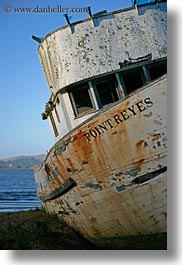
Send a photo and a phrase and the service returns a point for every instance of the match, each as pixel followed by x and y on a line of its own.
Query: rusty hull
pixel 107 177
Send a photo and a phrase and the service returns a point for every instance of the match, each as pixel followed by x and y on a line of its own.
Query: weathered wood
pixel 106 157
pixel 116 157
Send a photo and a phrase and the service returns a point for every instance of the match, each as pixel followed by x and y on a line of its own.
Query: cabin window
pixel 132 79
pixel 53 124
pixel 106 90
pixel 57 115
pixel 81 99
pixel 157 69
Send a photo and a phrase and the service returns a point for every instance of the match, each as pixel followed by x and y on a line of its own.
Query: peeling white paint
pixel 93 50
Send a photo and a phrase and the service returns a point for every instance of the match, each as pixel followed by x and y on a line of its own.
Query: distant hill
pixel 22 162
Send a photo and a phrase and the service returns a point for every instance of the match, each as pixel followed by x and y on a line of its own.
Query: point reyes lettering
pixel 119 118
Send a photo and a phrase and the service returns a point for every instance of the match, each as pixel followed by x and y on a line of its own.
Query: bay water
pixel 17 190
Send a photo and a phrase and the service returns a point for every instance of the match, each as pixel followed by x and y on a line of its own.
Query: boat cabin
pixel 94 63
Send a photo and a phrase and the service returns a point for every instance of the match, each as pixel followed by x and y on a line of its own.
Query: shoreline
pixel 16 168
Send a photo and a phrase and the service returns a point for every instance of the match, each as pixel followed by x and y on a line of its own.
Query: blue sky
pixel 23 88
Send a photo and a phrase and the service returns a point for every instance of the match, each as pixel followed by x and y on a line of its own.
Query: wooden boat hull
pixel 107 177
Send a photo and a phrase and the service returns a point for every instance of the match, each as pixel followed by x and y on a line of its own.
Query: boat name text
pixel 124 115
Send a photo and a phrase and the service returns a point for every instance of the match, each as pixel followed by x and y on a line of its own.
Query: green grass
pixel 38 230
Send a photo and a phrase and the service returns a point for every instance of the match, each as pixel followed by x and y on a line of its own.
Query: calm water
pixel 17 191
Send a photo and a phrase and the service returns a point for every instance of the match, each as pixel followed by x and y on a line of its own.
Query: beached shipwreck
pixel 106 173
